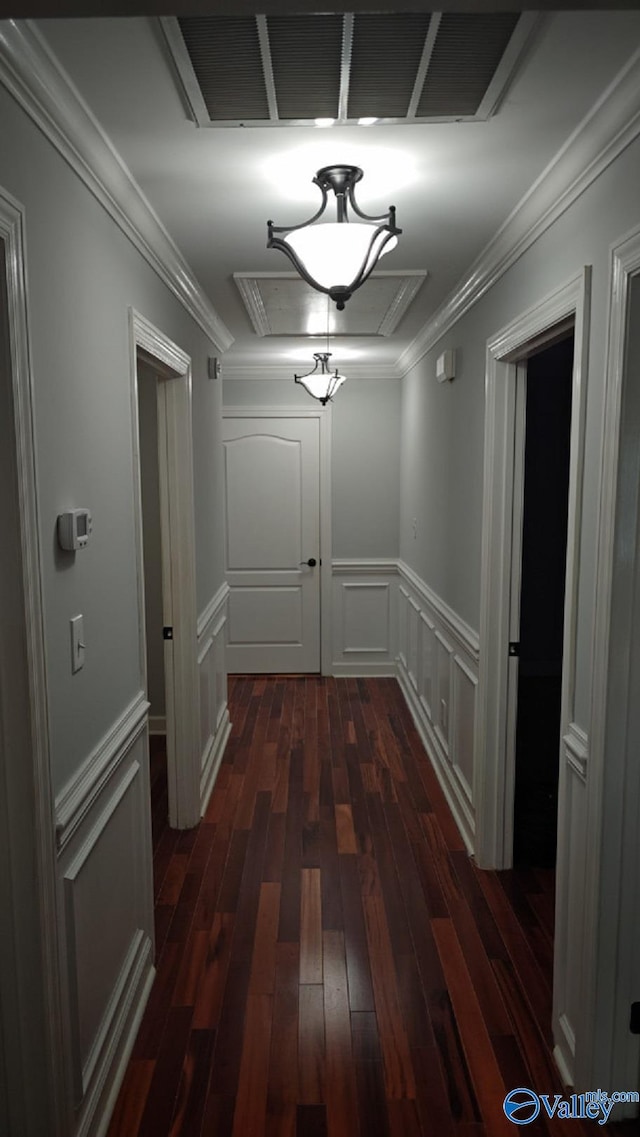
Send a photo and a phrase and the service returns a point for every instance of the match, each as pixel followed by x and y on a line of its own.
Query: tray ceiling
pixel 281 304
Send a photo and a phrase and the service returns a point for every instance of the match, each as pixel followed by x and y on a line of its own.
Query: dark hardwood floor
pixel 329 960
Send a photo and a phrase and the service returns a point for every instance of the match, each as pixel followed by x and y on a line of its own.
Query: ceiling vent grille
pixel 466 53
pixel 385 57
pixel 225 54
pixel 394 67
pixel 305 58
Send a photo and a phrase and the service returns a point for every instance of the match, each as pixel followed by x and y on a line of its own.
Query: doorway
pixel 163 467
pixel 537 634
pixel 157 598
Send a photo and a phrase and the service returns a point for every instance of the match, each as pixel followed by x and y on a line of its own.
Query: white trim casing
pixel 173 368
pixel 495 597
pixel 494 741
pixel 39 793
pixel 611 949
pixel 29 69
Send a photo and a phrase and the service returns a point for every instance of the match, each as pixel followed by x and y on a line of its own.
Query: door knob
pixel 312 562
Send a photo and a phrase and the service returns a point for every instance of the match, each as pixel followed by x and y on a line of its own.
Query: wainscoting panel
pixel 463 710
pixel 437 667
pixel 212 675
pixel 570 884
pixel 426 635
pixel 364 617
pixel 444 659
pixel 107 917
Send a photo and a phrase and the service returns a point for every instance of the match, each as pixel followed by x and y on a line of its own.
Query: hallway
pixel 329 960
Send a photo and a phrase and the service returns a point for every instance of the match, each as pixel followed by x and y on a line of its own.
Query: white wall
pixel 365 456
pixel 441 485
pixel 83 277
pixel 443 425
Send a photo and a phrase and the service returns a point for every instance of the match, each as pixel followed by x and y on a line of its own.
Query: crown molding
pixel 32 74
pixel 257 372
pixel 611 125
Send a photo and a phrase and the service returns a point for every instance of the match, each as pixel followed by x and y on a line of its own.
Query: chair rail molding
pixel 33 75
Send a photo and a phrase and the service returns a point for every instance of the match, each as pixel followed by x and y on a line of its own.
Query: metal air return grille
pixel 466 53
pixel 305 59
pixel 225 53
pixel 394 67
pixel 385 57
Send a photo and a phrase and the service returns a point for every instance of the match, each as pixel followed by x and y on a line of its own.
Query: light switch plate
pixel 77 644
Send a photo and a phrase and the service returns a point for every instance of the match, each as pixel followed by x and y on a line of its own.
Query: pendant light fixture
pixel 336 257
pixel 323 384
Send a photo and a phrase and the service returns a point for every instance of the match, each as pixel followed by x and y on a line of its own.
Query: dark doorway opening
pixel 544 549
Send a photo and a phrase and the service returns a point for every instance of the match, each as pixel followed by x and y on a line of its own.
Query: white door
pixel 272 533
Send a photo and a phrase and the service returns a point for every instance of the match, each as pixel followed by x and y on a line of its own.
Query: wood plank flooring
pixel 330 963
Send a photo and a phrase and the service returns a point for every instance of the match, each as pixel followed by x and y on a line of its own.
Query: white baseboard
pixel 213 758
pixel 444 773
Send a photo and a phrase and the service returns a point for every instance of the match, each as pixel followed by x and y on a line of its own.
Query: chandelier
pixel 323 384
pixel 336 257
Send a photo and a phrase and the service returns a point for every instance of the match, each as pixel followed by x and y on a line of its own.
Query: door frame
pixel 612 923
pixel 495 738
pixel 323 414
pixel 28 792
pixel 175 458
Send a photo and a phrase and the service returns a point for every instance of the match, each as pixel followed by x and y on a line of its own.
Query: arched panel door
pixel 272 543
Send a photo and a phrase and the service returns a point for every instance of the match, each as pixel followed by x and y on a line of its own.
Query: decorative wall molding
pixel 105 873
pixel 215 725
pixel 213 609
pixel 463 633
pixel 83 789
pixel 30 71
pixel 372 566
pixel 576 745
pixel 608 127
pixel 437 671
pixel 236 369
pixel 364 605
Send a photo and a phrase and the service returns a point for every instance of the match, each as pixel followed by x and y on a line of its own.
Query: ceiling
pixel 453 182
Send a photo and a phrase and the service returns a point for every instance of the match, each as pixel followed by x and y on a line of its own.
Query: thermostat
pixel 74 528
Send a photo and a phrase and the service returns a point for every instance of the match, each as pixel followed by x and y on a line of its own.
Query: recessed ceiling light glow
pixel 366 121
pixel 324 121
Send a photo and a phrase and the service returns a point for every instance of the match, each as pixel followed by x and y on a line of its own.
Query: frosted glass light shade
pixel 334 254
pixel 323 387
